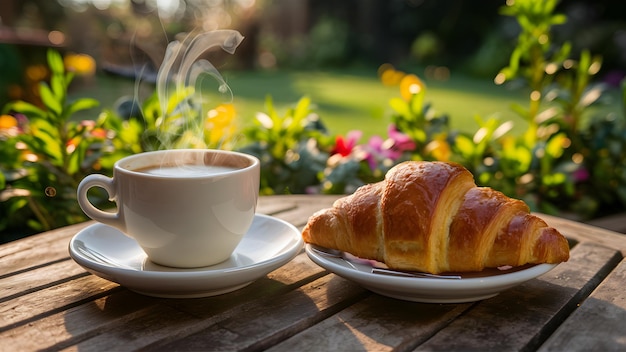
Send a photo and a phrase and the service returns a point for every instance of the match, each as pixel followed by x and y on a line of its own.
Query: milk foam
pixel 186 170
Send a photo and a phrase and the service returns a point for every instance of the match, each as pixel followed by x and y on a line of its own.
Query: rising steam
pixel 179 74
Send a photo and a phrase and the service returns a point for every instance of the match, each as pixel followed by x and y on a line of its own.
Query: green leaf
pixel 18 204
pixel 520 110
pixel 554 179
pixel 554 147
pixel 28 109
pixel 49 99
pixel 81 104
pixel 36 225
pixel 417 102
pixel 302 109
pixel 558 19
pixel 76 159
pixel 69 77
pixel 418 135
pixel 584 62
pixel 563 52
pixel 55 61
pixel 400 106
pixel 40 126
pixel 465 145
pixel 58 86
pixel 48 140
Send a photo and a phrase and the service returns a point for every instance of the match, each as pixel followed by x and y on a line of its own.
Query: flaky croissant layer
pixel 431 217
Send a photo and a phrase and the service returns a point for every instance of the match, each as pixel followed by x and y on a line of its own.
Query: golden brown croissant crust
pixel 431 217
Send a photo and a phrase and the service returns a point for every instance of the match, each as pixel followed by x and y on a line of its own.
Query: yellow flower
pixel 439 148
pixel 7 122
pixel 411 85
pixel 36 73
pixel 389 76
pixel 219 125
pixel 81 64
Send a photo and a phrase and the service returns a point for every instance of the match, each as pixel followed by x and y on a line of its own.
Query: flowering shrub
pixel 558 164
pixel 555 165
pixel 552 165
pixel 290 148
pixel 44 154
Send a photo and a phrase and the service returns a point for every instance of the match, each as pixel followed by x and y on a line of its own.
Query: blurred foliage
pixel 559 164
pixel 570 158
pixel 327 45
pixel 44 154
pixel 288 147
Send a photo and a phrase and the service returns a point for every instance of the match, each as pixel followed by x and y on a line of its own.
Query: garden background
pixel 526 94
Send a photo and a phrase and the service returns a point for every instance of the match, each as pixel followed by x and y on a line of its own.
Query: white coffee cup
pixel 185 207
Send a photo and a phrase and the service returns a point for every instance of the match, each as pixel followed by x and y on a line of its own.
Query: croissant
pixel 431 217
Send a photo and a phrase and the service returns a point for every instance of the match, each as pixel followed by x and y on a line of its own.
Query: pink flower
pixel 402 142
pixel 581 174
pixel 373 151
pixel 392 148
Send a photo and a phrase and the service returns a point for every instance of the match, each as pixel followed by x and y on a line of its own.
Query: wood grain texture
pixel 33 306
pixel 43 248
pixel 615 222
pixel 40 278
pixel 48 302
pixel 522 317
pixel 599 324
pixel 375 324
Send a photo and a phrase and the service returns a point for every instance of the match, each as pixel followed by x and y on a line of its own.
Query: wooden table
pixel 49 302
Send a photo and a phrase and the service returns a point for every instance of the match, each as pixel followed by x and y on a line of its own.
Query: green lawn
pixel 358 100
pixel 345 100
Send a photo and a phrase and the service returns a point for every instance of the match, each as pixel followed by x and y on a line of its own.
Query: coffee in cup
pixel 185 207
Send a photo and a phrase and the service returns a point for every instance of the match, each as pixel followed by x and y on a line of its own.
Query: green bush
pixel 560 164
pixel 570 158
pixel 44 154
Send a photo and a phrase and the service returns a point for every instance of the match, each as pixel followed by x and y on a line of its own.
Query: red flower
pixel 344 146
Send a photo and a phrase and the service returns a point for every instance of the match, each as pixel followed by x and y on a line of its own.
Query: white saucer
pixel 469 288
pixel 108 253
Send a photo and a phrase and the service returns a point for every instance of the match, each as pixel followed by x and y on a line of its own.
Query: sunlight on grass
pixel 346 100
pixel 358 100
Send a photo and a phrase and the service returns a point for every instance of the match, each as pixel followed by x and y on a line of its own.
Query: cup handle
pixel 95 180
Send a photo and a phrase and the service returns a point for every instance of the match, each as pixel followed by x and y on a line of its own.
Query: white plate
pixel 471 287
pixel 108 253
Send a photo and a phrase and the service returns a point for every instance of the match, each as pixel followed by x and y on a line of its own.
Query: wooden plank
pixel 67 327
pixel 271 206
pixel 52 303
pixel 61 328
pixel 300 215
pixel 25 282
pixel 523 317
pixel 37 250
pixel 33 306
pixel 279 204
pixel 616 222
pixel 259 325
pixel 375 324
pixel 299 271
pixel 155 323
pixel 164 323
pixel 599 323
